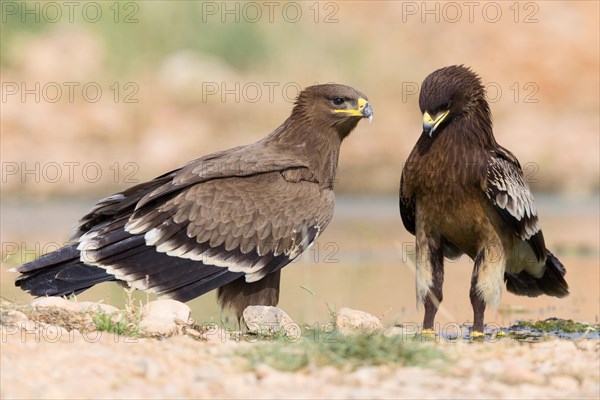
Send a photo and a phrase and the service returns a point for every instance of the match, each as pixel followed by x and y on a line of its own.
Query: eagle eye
pixel 338 101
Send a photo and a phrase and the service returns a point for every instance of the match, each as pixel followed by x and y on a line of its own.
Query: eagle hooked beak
pixel 430 124
pixel 363 109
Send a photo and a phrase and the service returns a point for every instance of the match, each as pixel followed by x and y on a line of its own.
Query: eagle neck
pixel 471 134
pixel 476 125
pixel 318 147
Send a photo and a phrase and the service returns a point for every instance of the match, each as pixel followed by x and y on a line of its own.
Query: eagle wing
pixel 249 225
pixel 407 208
pixel 189 231
pixel 505 186
pixel 239 161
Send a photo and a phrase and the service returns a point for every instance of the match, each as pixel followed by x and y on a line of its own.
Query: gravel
pixel 44 361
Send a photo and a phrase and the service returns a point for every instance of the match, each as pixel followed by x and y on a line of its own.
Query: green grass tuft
pixel 558 325
pixel 345 351
pixel 105 323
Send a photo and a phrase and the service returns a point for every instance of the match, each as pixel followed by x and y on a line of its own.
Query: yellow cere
pixel 428 121
pixel 361 103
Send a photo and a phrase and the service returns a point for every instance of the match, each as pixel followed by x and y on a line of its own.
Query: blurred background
pixel 97 96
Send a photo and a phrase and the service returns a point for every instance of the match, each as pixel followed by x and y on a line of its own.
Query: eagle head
pixel 450 93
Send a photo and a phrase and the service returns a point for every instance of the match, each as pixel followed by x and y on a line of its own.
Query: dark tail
pixel 552 283
pixel 59 273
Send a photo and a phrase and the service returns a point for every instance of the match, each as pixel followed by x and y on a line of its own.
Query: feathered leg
pixel 435 295
pixel 240 294
pixel 486 282
pixel 476 299
pixel 430 276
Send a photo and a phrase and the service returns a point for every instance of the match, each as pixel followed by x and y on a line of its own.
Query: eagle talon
pixel 477 334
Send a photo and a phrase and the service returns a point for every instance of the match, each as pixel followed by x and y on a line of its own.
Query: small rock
pixel 263 370
pixel 366 376
pixel 30 327
pixel 13 316
pixel 168 309
pixel 154 325
pixel 213 333
pixel 149 369
pixel 53 333
pixel 355 322
pixel 464 367
pixel 193 333
pixel 58 302
pixel 514 373
pixel 207 373
pixel 24 330
pixel 565 382
pixel 328 373
pixel 90 306
pixel 266 319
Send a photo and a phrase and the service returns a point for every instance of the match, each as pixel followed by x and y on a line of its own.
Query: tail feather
pixel 62 272
pixel 62 279
pixel 62 255
pixel 552 283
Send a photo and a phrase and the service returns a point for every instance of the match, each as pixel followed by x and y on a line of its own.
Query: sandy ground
pixel 58 364
pixel 54 363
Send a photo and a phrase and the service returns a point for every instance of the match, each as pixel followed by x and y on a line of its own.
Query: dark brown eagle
pixel 461 192
pixel 230 220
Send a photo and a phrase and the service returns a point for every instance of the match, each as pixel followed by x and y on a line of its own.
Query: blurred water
pixel 358 262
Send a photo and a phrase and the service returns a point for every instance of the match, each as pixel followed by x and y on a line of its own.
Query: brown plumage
pixel 461 192
pixel 230 220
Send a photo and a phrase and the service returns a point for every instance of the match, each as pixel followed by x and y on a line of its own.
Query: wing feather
pixel 221 223
pixel 228 210
pixel 506 188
